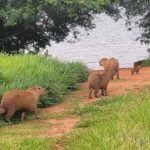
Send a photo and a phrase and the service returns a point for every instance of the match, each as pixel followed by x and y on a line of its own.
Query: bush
pixel 24 71
pixel 146 62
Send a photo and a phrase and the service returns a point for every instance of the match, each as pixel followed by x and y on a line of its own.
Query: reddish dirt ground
pixel 61 126
pixel 127 83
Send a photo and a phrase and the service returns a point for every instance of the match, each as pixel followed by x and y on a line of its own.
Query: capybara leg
pixel 118 74
pixel 35 112
pixel 102 92
pixel 132 72
pixel 90 93
pixel 22 116
pixel 95 92
pixel 8 120
pixel 106 92
pixel 10 113
pixel 36 116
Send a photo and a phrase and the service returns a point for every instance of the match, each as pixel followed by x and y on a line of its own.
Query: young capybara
pixel 135 70
pixel 19 100
pixel 110 64
pixel 99 81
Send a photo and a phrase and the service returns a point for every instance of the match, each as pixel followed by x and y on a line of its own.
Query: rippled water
pixel 108 39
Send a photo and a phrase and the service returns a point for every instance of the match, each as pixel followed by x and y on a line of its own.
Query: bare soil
pixel 127 83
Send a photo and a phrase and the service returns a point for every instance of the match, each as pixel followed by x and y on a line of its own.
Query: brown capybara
pixel 135 70
pixel 19 100
pixel 110 64
pixel 137 63
pixel 99 81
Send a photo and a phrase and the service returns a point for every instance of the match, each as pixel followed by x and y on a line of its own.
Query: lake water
pixel 108 39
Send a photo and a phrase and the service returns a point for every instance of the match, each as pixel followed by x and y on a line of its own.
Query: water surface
pixel 108 39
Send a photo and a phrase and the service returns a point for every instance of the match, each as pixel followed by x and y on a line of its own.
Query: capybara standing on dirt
pixel 110 64
pixel 99 81
pixel 135 70
pixel 19 100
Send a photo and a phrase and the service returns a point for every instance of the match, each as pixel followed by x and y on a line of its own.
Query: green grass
pixel 146 62
pixel 118 123
pixel 27 135
pixel 28 143
pixel 24 71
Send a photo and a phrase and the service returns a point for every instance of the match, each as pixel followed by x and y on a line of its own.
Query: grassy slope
pixel 122 122
pixel 119 123
pixel 23 71
pixel 31 133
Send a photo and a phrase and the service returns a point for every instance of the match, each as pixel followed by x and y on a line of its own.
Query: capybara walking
pixel 110 64
pixel 135 70
pixel 19 100
pixel 99 81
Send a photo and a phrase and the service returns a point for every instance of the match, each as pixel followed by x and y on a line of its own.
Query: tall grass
pixel 24 71
pixel 119 123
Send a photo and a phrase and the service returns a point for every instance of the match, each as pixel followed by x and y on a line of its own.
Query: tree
pixel 36 22
pixel 141 10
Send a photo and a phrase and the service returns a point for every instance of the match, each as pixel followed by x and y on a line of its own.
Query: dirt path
pixel 127 83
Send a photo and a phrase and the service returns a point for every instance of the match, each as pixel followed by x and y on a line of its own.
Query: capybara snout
pixel 2 110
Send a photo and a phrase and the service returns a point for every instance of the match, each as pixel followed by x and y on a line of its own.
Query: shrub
pixel 24 71
pixel 146 62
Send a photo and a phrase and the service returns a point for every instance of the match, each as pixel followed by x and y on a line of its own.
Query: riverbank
pixel 99 122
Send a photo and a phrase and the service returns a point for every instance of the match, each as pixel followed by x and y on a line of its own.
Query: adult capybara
pixel 99 81
pixel 137 63
pixel 110 64
pixel 19 100
pixel 135 70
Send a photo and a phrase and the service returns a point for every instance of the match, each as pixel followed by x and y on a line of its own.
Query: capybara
pixel 20 100
pixel 137 63
pixel 110 64
pixel 99 81
pixel 135 70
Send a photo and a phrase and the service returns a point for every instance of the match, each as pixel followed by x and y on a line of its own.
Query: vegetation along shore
pixel 120 120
